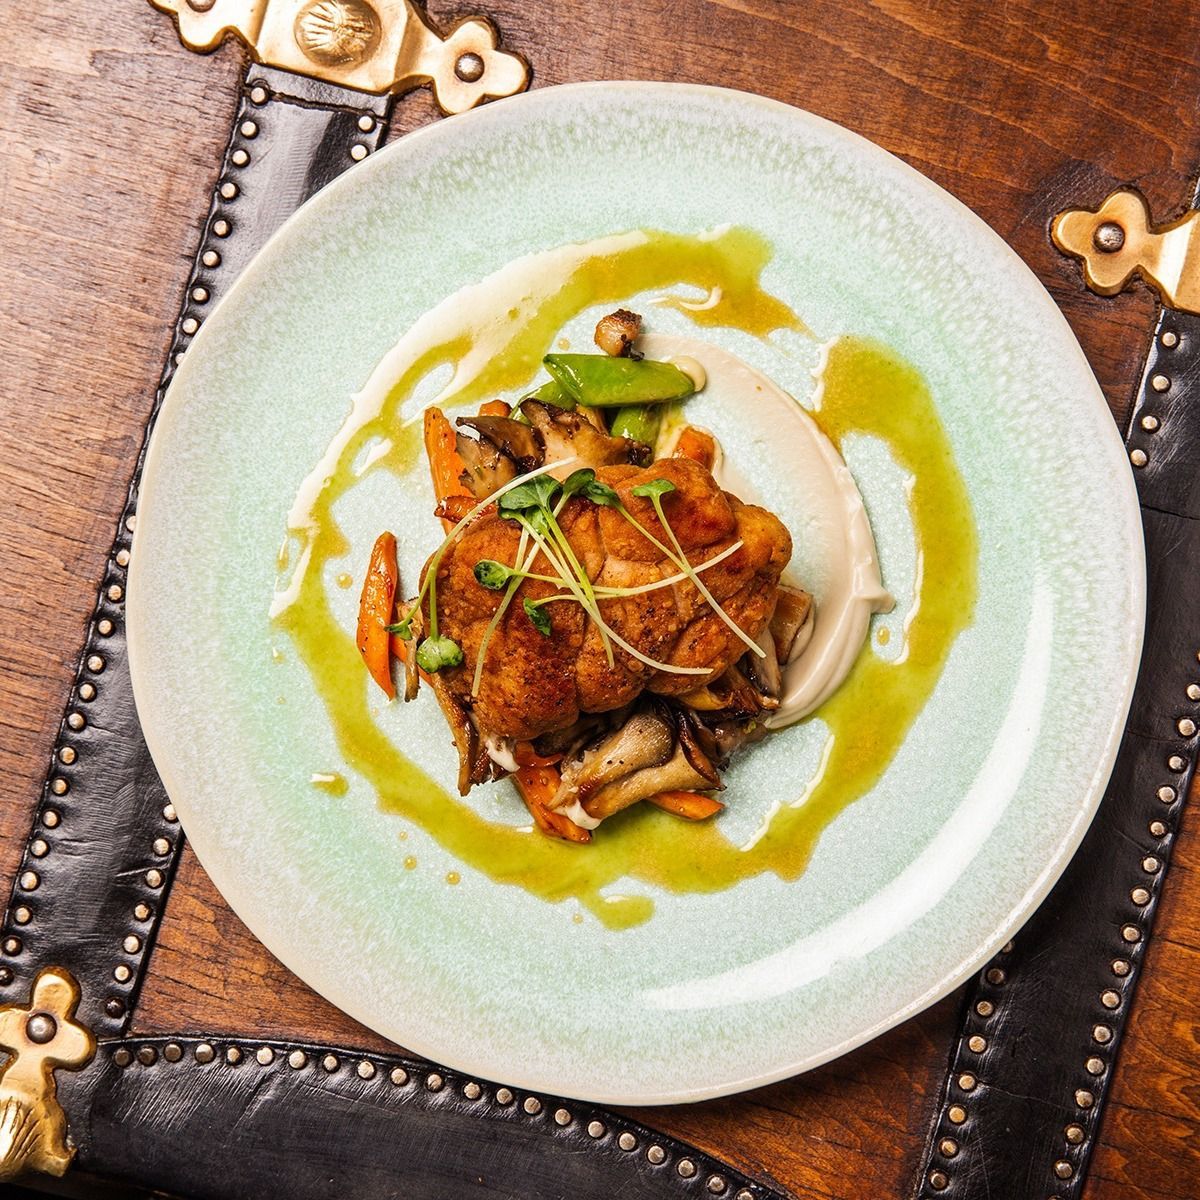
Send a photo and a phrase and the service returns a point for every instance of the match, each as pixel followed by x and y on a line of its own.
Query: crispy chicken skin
pixel 533 684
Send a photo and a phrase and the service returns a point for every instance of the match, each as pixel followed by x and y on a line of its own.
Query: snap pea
pixel 638 421
pixel 552 393
pixel 601 381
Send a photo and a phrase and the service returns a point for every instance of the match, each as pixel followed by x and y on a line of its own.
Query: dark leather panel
pixel 1021 1107
pixel 291 1129
pixel 101 844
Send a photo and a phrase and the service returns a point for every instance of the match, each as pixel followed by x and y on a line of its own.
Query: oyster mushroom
pixel 567 433
pixel 616 333
pixel 501 450
pixel 647 739
pixel 791 624
pixel 678 774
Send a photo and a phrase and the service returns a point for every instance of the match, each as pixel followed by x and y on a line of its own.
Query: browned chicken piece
pixel 534 684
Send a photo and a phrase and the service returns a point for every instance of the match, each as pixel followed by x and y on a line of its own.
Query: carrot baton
pixel 445 464
pixel 694 806
pixel 537 786
pixel 375 611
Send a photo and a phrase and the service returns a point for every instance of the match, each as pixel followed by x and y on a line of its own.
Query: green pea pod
pixel 551 393
pixel 601 381
pixel 638 421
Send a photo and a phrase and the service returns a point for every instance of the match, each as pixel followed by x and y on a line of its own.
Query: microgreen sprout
pixel 537 618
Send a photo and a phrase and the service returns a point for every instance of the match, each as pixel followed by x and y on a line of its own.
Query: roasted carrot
pixel 692 805
pixel 697 445
pixel 375 611
pixel 445 465
pixel 537 786
pixel 494 408
pixel 527 756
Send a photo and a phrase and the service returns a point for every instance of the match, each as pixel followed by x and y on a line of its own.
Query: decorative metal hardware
pixel 40 1037
pixel 1117 242
pixel 381 46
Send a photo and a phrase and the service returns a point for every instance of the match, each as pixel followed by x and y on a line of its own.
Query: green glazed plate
pixel 910 888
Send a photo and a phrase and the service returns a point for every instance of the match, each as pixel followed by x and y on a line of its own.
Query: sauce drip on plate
pixel 493 335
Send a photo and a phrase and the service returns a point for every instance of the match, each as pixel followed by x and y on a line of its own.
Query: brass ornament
pixel 371 45
pixel 1117 242
pixel 40 1037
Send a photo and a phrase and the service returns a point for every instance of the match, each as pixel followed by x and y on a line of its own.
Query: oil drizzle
pixel 864 389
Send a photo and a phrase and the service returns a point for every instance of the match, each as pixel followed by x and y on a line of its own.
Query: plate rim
pixel 156 730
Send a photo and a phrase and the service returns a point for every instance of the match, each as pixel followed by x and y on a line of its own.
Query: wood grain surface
pixel 110 135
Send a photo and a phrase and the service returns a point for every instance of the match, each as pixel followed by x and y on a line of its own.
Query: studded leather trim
pixel 1042 1024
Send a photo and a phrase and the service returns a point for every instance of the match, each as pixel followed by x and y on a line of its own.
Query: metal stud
pixel 1063 1169
pixel 1120 966
pixel 996 976
pixel 1008 946
pixel 104 628
pixel 154 878
pixel 76 721
pixel 472 1090
pixel 1158 829
pixel 221 228
pixel 1166 794
pixel 132 944
pixel 967 1082
pixel 1101 1034
pixel 190 325
pixel 365 1069
pixel 259 94
pixel 233 1056
pixel 358 152
pixel 366 123
pixel 657 1155
pixel 147 1056
pixel 1186 727
pixel 50 818
pixel 1160 383
pixel 114 1007
pixel 1169 338
pixel 562 1117
pixel 503 1096
pixel 948 1147
pixel 169 813
pixel 434 1082
pixel 162 847
pixel 297 1059
pixel 1176 763
pixel 1150 864
pixel 172 1052
pixel 715 1185
pixel 1074 1134
pixel 399 1077
pixel 67 755
pixel 744 1194
pixel 239 157
pixel 264 1055
pixel 95 663
pixel 122 1057
pixel 1138 457
pixel 985 1008
pixel 627 1141
pixel 595 1128
pixel 1140 895
pixel 131 522
pixel 6 976
pixel 141 912
pixel 1149 423
pixel 957 1114
pixel 532 1105
pixel 977 1044
pixel 1110 999
pixel 248 129
pixel 686 1168
pixel 115 592
pixel 330 1063
pixel 39 848
pixel 200 295
pixel 87 691
pixel 22 915
pixel 203 1053
pixel 210 258
pixel 1095 1066
pixel 1131 933
pixel 123 554
pixel 939 1181
pixel 29 881
pixel 1193 691
pixel 12 945
pixel 59 786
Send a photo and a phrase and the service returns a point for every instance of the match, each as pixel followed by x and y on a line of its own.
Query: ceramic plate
pixel 911 886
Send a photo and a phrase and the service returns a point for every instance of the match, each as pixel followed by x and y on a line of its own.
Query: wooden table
pixel 111 137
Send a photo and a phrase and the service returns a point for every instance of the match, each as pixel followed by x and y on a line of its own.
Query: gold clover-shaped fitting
pixel 40 1037
pixel 372 45
pixel 1117 242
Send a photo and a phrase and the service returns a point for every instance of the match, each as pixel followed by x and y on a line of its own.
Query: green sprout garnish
pixel 653 490
pixel 436 652
pixel 538 619
pixel 493 575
